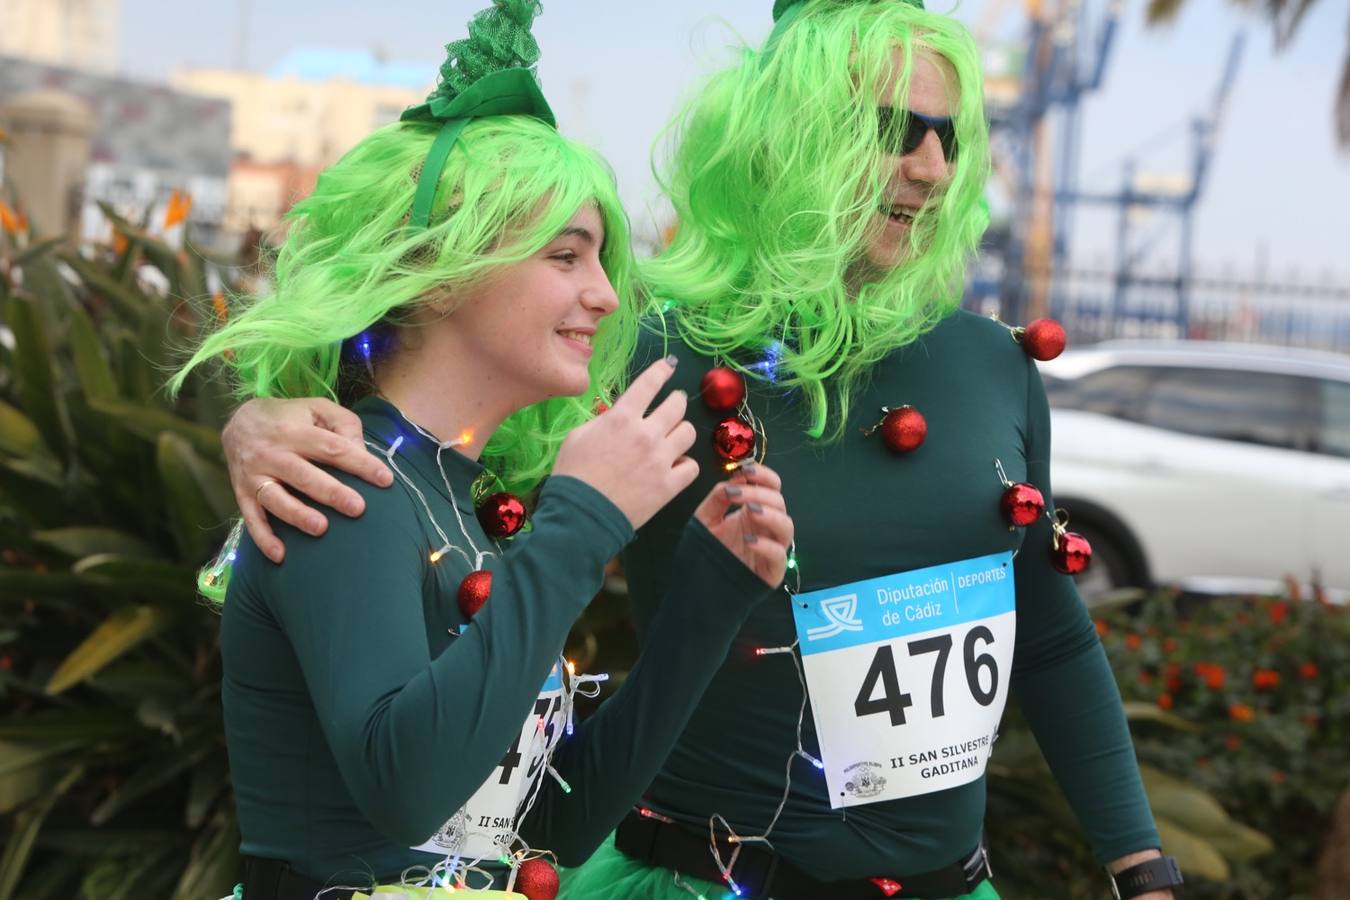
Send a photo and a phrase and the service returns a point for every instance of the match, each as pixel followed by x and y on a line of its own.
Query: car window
pixel 1114 392
pixel 1250 407
pixel 1335 417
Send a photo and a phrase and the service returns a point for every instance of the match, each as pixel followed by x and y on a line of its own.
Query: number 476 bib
pixel 907 676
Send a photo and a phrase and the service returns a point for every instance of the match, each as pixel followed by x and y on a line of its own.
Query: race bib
pixel 907 676
pixel 483 828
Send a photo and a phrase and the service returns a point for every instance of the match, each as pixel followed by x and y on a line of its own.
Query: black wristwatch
pixel 1159 873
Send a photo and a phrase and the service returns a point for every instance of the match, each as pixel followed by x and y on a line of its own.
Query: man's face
pixel 914 176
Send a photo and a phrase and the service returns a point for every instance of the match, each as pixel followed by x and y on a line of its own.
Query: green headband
pixel 491 73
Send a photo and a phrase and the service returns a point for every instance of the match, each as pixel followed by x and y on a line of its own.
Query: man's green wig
pixel 777 177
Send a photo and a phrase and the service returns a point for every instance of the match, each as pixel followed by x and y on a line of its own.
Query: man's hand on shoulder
pixel 272 445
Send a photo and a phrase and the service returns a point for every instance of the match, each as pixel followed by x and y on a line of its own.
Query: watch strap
pixel 1159 873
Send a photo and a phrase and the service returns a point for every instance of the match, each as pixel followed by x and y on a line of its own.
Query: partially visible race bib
pixel 907 676
pixel 483 828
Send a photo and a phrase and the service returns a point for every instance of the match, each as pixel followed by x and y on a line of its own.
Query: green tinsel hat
pixel 490 73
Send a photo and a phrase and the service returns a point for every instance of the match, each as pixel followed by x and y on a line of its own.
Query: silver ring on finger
pixel 267 482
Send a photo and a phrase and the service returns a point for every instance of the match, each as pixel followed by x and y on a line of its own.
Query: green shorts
pixel 610 875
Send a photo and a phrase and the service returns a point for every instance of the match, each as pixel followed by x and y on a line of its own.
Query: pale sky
pixel 615 71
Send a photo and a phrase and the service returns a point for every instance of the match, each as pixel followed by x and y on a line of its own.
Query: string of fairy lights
pixel 453 871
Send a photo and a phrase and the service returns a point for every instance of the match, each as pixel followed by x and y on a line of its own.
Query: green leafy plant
pixel 112 762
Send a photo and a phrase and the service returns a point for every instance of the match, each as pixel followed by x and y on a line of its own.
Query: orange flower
pixel 1265 679
pixel 218 304
pixel 176 212
pixel 1308 670
pixel 1169 645
pixel 1145 676
pixel 1133 641
pixel 1311 719
pixel 1212 674
pixel 1165 701
pixel 1277 612
pixel 1241 712
pixel 1202 762
pixel 1232 742
pixel 1102 627
pixel 1278 777
pixel 120 243
pixel 7 662
pixel 13 221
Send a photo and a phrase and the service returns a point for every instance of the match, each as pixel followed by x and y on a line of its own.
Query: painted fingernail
pixel 749 468
pixel 755 507
pixel 672 360
pixel 352 507
pixel 733 491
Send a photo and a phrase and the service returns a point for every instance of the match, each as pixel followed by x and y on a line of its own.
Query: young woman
pixel 376 681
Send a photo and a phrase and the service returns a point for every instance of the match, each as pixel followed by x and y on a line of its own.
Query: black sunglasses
pixel 902 133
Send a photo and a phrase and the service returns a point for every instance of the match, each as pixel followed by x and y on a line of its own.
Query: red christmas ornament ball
pixel 722 389
pixel 1072 554
pixel 888 886
pixel 1022 504
pixel 733 439
pixel 501 514
pixel 537 880
pixel 474 591
pixel 904 429
pixel 1044 339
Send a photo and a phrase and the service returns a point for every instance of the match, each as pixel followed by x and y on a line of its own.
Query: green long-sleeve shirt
pixel 359 719
pixel 862 512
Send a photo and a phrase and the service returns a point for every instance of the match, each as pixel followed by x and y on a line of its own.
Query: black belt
pixel 272 879
pixel 760 873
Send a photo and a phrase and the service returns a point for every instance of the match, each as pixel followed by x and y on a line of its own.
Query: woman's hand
pixel 271 445
pixel 748 515
pixel 634 457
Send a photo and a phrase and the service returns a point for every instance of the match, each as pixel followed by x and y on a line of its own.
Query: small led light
pixel 562 782
pixel 398 442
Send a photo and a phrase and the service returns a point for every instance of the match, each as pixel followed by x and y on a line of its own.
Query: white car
pixel 1217 467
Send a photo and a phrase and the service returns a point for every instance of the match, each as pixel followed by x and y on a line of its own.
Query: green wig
pixel 351 267
pixel 777 177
